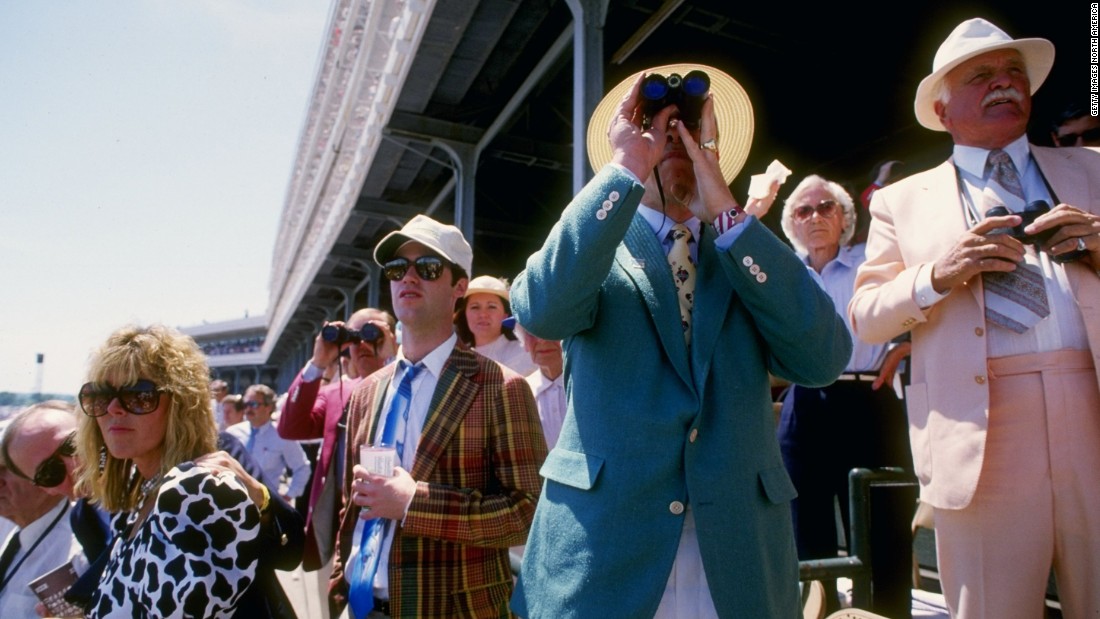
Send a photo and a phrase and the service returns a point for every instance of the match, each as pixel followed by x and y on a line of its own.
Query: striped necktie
pixel 1014 300
pixel 364 561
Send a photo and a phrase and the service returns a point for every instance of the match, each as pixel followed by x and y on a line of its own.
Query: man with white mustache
pixel 1004 405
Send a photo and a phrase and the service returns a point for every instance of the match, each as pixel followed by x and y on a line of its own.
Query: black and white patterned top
pixel 194 556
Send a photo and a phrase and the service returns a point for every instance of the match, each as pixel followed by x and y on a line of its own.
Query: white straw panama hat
pixel 732 111
pixel 489 284
pixel 971 38
pixel 445 240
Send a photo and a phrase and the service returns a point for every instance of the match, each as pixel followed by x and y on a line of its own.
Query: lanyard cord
pixel 41 536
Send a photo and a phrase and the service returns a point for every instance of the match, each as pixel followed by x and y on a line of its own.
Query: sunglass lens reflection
pixel 141 398
pixel 427 267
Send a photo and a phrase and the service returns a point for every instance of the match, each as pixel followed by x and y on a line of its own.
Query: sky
pixel 145 151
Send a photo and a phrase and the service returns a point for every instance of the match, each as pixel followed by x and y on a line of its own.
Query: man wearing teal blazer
pixel 666 495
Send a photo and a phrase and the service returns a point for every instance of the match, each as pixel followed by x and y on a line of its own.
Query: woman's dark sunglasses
pixel 51 472
pixel 825 208
pixel 427 267
pixel 140 398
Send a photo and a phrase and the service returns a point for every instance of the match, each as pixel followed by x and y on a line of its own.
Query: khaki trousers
pixel 1037 502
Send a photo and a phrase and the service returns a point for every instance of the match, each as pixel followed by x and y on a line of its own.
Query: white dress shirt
pixel 1064 327
pixel 550 400
pixel 45 544
pixel 510 354
pixel 423 386
pixel 838 279
pixel 275 454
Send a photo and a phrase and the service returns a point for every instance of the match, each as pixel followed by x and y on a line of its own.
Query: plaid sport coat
pixel 477 469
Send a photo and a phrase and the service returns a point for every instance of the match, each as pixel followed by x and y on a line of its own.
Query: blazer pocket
pixel 572 468
pixel 777 485
pixel 485 601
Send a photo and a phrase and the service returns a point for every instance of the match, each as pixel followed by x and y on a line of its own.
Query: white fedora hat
pixel 972 38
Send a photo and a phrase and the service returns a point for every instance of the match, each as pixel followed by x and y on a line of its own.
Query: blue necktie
pixel 251 440
pixel 364 562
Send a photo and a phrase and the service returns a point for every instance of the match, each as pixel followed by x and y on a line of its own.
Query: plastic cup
pixel 378 460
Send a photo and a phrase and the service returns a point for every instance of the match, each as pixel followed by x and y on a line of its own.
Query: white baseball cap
pixel 445 240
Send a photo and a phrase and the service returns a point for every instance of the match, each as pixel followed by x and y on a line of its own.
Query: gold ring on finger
pixel 711 145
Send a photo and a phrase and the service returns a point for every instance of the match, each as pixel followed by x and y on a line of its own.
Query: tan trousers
pixel 1038 498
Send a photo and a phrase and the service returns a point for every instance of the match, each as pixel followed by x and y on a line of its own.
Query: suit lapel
pixel 643 259
pixel 377 399
pixel 945 220
pixel 712 304
pixel 454 394
pixel 1070 182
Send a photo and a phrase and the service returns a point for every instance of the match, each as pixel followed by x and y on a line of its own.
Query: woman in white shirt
pixel 480 321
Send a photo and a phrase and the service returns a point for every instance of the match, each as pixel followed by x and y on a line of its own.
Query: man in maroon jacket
pixel 314 410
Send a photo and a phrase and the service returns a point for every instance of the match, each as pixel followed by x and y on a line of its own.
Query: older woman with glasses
pixel 186 536
pixel 857 421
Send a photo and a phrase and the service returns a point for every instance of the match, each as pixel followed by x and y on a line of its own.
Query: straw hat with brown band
pixel 732 111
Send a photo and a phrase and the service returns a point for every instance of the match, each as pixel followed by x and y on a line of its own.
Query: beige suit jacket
pixel 915 222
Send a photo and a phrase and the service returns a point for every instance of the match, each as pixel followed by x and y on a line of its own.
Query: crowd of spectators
pixel 606 428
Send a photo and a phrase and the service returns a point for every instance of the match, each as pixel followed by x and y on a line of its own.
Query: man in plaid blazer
pixel 469 448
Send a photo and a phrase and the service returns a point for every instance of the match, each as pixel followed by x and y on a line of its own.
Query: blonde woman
pixel 186 535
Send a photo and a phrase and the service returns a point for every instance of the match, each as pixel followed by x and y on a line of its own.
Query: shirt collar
pixel 34 529
pixel 661 223
pixel 540 382
pixel 434 360
pixel 971 159
pixel 847 256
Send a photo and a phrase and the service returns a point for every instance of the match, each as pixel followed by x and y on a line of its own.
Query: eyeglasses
pixel 427 267
pixel 140 398
pixel 51 472
pixel 253 404
pixel 825 208
pixel 1088 135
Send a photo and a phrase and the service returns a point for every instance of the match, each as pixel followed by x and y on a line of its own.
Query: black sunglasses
pixel 51 472
pixel 825 208
pixel 140 398
pixel 427 267
pixel 1088 135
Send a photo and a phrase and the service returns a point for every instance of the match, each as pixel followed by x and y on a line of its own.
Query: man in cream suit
pixel 665 495
pixel 1004 409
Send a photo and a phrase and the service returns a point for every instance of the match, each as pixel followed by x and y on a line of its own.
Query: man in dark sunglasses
pixel 434 527
pixel 38 439
pixel 44 452
pixel 1075 126
pixel 43 539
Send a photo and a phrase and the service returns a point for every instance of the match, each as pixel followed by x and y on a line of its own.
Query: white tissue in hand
pixel 760 185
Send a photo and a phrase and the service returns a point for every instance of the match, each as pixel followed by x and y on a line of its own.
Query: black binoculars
pixel 1032 211
pixel 340 335
pixel 687 93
